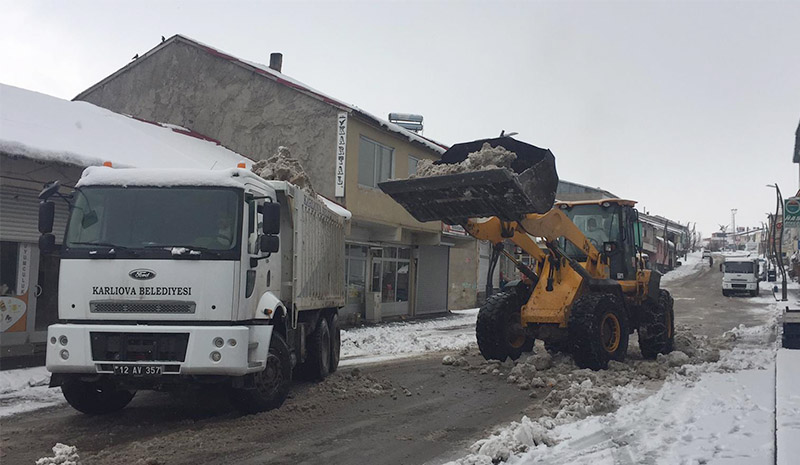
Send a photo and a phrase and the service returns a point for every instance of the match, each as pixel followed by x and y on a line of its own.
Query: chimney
pixel 276 61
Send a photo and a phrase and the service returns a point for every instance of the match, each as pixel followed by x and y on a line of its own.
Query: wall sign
pixel 341 152
pixel 791 208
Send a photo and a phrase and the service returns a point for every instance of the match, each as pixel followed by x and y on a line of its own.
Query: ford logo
pixel 142 274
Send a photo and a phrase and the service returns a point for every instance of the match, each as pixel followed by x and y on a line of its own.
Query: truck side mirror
pixel 269 244
pixel 47 243
pixel 47 212
pixel 271 213
pixel 49 190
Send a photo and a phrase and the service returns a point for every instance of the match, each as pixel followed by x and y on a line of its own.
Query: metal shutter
pixel 432 269
pixel 19 215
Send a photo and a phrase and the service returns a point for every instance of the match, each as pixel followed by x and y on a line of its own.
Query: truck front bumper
pixel 178 350
pixel 729 286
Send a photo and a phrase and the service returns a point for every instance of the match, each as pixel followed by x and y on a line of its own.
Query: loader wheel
pixel 95 398
pixel 270 387
pixel 598 331
pixel 499 330
pixel 336 342
pixel 657 331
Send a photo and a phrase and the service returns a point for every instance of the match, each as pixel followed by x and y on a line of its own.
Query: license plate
pixel 138 370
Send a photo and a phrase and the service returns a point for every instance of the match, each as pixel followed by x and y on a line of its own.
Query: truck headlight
pixel 219 342
pixel 63 340
pixel 216 356
pixel 64 354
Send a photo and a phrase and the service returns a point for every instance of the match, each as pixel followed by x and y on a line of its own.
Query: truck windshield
pixel 599 224
pixel 151 217
pixel 739 267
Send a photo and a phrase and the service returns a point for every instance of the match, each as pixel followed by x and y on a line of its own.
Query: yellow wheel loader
pixel 588 289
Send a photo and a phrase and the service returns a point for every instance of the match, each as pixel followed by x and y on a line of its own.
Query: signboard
pixel 341 152
pixel 791 212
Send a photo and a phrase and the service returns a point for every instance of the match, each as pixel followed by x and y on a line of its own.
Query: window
pixel 390 273
pixel 355 273
pixel 375 163
pixel 412 165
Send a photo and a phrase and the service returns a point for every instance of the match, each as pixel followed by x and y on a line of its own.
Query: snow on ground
pixel 788 406
pixel 707 410
pixel 62 455
pixel 396 340
pixel 689 266
pixel 25 390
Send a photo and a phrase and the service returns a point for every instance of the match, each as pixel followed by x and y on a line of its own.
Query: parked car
pixel 706 253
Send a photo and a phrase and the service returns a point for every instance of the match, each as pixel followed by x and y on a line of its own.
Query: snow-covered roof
pixel 285 80
pixel 42 127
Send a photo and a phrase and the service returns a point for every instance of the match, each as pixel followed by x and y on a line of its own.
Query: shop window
pixel 375 163
pixel 355 273
pixel 9 255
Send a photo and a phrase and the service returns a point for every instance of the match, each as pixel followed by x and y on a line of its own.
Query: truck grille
pixel 142 307
pixel 134 347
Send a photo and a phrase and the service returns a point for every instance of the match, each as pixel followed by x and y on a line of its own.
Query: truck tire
pixel 270 386
pixel 318 363
pixel 598 331
pixel 725 292
pixel 657 330
pixel 754 293
pixel 95 398
pixel 336 342
pixel 499 330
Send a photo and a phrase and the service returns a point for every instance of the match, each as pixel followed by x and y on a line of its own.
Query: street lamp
pixel 778 254
pixel 733 223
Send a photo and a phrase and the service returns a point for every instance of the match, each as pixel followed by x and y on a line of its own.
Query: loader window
pixel 599 224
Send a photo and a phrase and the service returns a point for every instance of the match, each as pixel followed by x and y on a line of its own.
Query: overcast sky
pixel 688 107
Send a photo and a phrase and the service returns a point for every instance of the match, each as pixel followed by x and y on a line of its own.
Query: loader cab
pixel 609 226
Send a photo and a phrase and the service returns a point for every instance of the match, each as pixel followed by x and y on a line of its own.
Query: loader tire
pixel 657 330
pixel 499 330
pixel 95 398
pixel 336 342
pixel 598 331
pixel 270 387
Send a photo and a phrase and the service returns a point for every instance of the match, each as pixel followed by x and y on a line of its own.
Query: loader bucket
pixel 528 187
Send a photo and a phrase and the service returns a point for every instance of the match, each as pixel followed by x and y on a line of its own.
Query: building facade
pixel 395 266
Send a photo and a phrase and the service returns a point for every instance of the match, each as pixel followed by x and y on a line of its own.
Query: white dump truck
pixel 740 274
pixel 174 278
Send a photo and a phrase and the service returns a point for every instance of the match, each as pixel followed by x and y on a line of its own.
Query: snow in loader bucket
pixel 529 186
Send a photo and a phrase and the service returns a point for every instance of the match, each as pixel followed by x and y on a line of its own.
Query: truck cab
pixel 740 274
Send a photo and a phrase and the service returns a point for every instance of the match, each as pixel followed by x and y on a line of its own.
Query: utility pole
pixel 733 223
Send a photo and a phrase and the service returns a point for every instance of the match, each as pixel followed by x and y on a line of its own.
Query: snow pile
pixel 486 158
pixel 283 167
pixel 63 455
pixel 715 403
pixel 25 390
pixel 693 262
pixel 401 339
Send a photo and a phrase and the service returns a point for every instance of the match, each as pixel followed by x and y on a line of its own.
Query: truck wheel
pixel 95 398
pixel 318 363
pixel 657 331
pixel 336 342
pixel 725 292
pixel 271 386
pixel 499 329
pixel 598 331
pixel 754 293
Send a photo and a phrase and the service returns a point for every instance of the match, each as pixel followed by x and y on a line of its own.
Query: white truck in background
pixel 740 274
pixel 172 278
